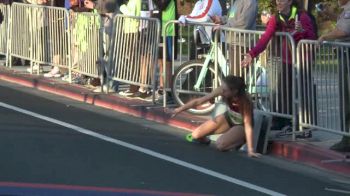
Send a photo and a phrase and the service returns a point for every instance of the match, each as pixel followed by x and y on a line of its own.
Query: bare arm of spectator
pixel 335 34
pixel 342 29
pixel 262 43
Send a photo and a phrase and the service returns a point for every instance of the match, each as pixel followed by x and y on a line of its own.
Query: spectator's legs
pixel 285 95
pixel 144 65
pixel 344 86
pixel 308 94
pixel 169 52
pixel 145 61
pixel 134 61
pixel 108 69
pixel 282 102
pixel 344 96
pixel 346 76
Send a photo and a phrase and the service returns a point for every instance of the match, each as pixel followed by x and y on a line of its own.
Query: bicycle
pixel 196 78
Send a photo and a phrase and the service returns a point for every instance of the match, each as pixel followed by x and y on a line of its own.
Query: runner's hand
pixel 173 112
pixel 253 154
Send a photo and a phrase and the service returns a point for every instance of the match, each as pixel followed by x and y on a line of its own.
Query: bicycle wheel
pixel 184 81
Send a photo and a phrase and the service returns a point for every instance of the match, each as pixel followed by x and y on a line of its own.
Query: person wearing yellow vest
pixel 132 8
pixel 133 26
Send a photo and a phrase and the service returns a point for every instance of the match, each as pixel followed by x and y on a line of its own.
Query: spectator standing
pixel 241 15
pixel 296 22
pixel 342 33
pixel 139 30
pixel 107 10
pixel 201 13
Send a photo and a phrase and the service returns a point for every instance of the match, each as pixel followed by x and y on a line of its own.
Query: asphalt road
pixel 50 145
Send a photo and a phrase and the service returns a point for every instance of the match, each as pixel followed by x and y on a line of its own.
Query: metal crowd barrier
pixel 190 44
pixel 134 50
pixel 86 39
pixel 43 36
pixel 269 78
pixel 323 85
pixel 4 30
pixel 20 38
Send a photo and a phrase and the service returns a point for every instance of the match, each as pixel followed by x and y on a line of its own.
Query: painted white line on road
pixel 145 151
pixel 337 190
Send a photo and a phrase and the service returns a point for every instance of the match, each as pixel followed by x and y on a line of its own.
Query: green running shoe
pixel 203 140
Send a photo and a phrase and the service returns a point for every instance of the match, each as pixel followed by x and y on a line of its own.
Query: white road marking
pixel 145 151
pixel 337 190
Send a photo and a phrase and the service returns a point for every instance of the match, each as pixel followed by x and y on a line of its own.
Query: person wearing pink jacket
pixel 298 23
pixel 284 21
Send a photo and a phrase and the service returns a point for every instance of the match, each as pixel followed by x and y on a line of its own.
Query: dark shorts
pixel 169 48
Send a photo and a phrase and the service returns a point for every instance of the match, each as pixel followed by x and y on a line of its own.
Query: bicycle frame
pixel 225 69
pixel 210 57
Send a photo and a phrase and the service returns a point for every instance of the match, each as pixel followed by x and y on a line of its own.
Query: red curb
pixel 105 101
pixel 92 188
pixel 311 155
pixel 295 151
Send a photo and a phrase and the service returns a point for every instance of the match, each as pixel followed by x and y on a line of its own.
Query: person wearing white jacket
pixel 202 11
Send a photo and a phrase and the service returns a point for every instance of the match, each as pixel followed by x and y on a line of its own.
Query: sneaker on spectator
pixel 54 73
pixel 126 93
pixel 51 75
pixel 65 78
pixel 343 145
pixel 160 98
pixel 104 88
pixel 35 69
pixel 141 95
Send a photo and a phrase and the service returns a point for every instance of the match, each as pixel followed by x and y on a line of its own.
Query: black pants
pixel 344 89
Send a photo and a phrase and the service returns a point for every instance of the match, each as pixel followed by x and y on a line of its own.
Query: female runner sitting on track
pixel 235 125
